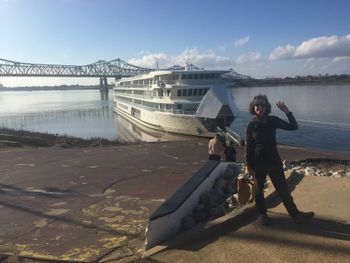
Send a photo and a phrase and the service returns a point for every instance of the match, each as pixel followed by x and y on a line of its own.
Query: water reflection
pixel 99 122
pixel 128 131
pixel 323 114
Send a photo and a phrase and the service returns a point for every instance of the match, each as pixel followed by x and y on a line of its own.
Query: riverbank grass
pixel 20 138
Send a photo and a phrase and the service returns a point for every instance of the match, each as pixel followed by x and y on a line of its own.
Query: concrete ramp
pixel 166 221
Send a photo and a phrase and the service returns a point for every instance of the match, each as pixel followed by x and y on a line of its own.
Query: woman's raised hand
pixel 282 107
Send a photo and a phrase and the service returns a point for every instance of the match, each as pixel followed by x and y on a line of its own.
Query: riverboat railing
pixel 230 135
pixel 175 111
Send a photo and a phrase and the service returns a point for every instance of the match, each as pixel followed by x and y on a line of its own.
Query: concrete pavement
pixel 92 204
pixel 326 238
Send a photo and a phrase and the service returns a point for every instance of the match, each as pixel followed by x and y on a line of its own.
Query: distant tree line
pixel 297 80
pixel 60 87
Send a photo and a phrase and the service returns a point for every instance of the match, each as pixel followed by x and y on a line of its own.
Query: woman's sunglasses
pixel 260 105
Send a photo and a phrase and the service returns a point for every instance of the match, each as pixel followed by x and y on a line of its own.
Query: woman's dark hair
pixel 258 100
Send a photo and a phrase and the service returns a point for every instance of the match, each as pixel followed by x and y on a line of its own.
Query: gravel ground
pixel 323 167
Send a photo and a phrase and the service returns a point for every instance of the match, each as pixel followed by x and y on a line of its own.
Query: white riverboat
pixel 193 102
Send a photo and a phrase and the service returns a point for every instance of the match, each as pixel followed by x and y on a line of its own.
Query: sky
pixel 259 38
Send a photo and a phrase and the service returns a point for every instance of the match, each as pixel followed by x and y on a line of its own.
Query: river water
pixel 322 112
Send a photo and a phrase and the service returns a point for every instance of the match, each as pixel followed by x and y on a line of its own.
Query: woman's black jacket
pixel 261 146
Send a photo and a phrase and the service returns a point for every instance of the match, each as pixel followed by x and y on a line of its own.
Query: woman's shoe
pixel 264 220
pixel 303 217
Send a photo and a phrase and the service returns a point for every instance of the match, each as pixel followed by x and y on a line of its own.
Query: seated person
pixel 230 152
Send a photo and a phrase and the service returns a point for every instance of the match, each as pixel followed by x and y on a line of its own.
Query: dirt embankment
pixel 10 138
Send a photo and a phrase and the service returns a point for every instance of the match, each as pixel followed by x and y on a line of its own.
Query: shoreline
pixel 22 138
pixel 25 138
pixel 244 83
pixel 11 139
pixel 302 81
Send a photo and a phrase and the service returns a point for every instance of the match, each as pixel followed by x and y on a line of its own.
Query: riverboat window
pixel 123 106
pixel 205 91
pixel 200 92
pixel 201 76
pixel 179 92
pixel 195 76
pixel 123 98
pixel 125 91
pixel 137 101
pixel 207 75
pixel 139 92
pixel 184 76
pixel 162 106
pixel 135 112
pixel 148 104
pixel 179 106
pixel 190 76
pixel 212 75
pixel 190 92
pixel 195 92
pixel 184 92
pixel 169 106
pixel 176 76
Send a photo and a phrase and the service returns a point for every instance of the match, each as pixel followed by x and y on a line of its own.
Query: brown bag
pixel 246 190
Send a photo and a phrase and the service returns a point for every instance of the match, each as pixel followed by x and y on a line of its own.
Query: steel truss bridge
pixel 116 68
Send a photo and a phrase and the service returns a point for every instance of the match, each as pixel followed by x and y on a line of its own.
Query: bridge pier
pixel 104 88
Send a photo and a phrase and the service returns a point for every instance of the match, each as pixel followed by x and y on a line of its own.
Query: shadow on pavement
pixel 316 227
pixel 276 235
pixel 293 180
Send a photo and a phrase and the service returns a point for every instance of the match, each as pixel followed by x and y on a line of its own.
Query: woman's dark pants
pixel 279 181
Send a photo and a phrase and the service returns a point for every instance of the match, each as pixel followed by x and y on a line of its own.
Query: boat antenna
pixel 157 65
pixel 187 64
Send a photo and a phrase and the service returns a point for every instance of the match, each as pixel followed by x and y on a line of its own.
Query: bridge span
pixel 102 69
pixel 116 68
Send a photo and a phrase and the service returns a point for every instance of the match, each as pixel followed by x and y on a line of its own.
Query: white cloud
pixel 150 60
pixel 208 59
pixel 253 63
pixel 250 57
pixel 282 52
pixel 332 46
pixel 337 59
pixel 241 42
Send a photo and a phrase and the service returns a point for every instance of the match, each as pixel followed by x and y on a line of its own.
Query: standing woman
pixel 262 157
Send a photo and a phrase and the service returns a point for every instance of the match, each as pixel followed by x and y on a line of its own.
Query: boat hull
pixel 165 121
